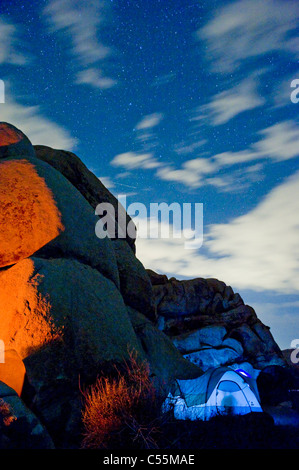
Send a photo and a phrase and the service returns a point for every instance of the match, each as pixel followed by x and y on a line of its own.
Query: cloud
pixel 183 175
pixel 258 250
pixel 184 148
pixel 203 171
pixel 228 104
pixel 191 173
pixel 146 138
pixel 9 45
pixel 278 142
pixel 237 180
pixel 133 160
pixel 163 79
pixel 146 142
pixel 149 121
pixel 82 21
pixel 249 28
pixel 107 182
pixel 94 77
pixel 38 128
pixel 233 158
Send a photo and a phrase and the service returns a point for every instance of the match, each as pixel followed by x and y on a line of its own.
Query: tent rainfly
pixel 218 391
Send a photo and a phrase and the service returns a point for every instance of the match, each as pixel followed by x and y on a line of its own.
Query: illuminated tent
pixel 218 391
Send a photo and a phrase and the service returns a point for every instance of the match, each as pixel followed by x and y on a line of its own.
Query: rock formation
pixel 68 164
pixel 210 324
pixel 72 305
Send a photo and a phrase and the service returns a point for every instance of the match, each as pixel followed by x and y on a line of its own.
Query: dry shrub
pixel 6 413
pixel 122 410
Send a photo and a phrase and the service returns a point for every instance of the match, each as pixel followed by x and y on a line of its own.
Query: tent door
pixel 230 399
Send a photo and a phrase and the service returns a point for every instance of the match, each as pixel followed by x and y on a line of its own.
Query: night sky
pixel 176 101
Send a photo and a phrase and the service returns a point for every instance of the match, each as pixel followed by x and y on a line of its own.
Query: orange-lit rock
pixel 25 315
pixel 12 371
pixel 13 142
pixel 9 135
pixel 43 213
pixel 63 304
pixel 29 217
pixel 93 190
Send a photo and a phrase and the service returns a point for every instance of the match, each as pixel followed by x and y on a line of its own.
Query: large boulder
pixel 13 142
pixel 181 298
pixel 165 360
pixel 261 350
pixel 29 216
pixel 19 427
pixel 157 279
pixel 135 284
pixel 192 341
pixel 69 324
pixel 93 190
pixel 68 306
pixel 206 312
pixel 43 213
pixel 12 371
pixel 214 357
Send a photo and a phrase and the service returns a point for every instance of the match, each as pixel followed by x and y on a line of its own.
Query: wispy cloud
pixel 133 160
pixel 182 176
pixel 279 142
pixel 163 79
pixel 237 180
pixel 82 22
pixel 192 172
pixel 187 148
pixel 276 143
pixel 106 180
pixel 228 104
pixel 257 244
pixel 94 77
pixel 249 28
pixel 252 251
pixel 149 121
pixel 10 45
pixel 38 128
pixel 146 142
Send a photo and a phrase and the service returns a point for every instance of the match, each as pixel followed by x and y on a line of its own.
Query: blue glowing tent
pixel 219 390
